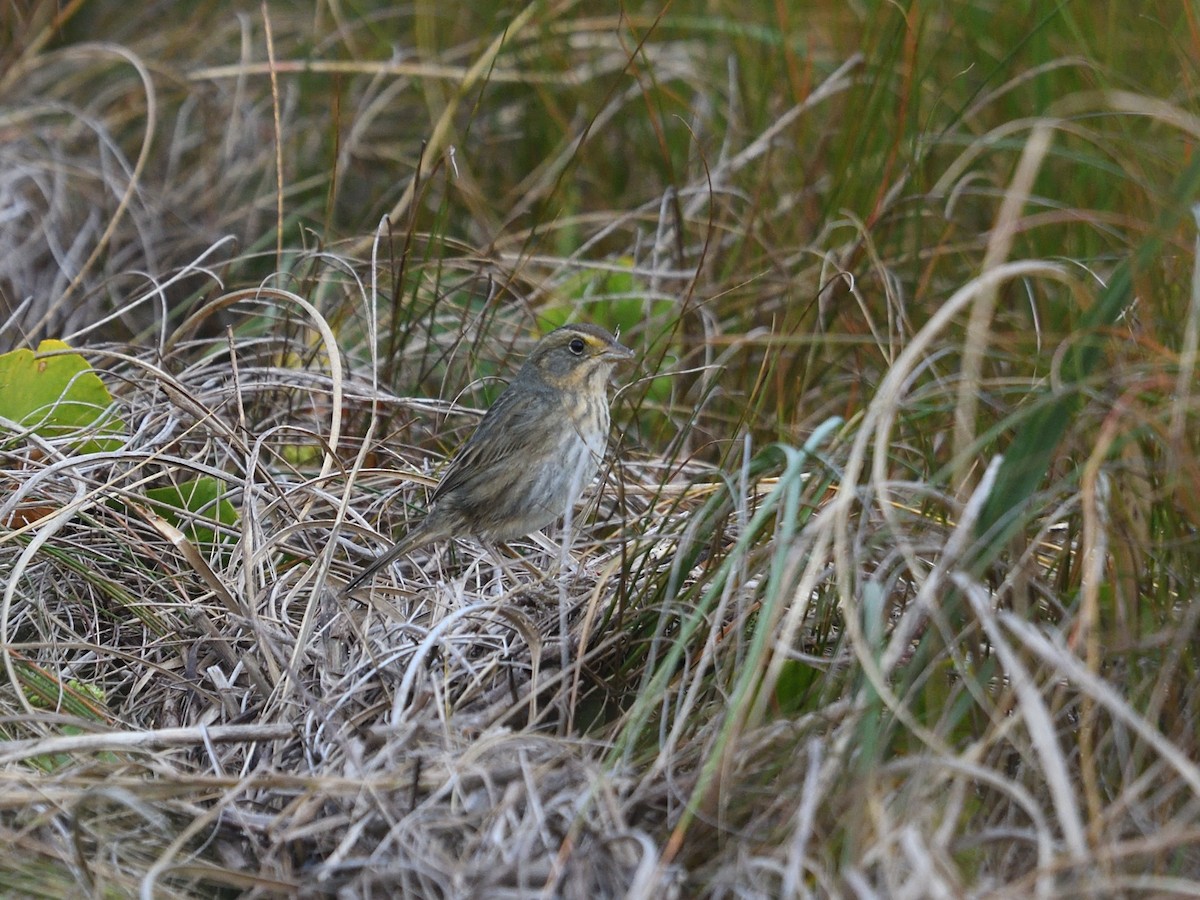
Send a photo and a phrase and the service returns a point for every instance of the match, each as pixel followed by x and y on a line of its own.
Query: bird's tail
pixel 414 540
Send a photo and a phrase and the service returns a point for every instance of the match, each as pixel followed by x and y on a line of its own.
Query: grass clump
pixel 886 589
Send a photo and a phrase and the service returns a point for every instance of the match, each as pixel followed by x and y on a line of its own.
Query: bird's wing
pixel 514 427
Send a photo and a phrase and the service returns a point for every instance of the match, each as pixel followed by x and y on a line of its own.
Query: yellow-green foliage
pixel 56 394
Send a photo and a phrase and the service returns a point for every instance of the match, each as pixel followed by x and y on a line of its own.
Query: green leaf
pixel 57 394
pixel 796 688
pixel 183 505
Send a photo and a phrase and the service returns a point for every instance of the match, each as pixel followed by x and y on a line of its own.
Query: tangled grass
pixel 885 590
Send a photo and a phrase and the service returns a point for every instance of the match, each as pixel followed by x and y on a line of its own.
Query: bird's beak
pixel 618 353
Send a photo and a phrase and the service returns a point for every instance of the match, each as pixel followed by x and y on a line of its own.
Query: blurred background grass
pixel 588 133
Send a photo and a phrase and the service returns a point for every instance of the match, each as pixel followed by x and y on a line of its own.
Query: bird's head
pixel 577 357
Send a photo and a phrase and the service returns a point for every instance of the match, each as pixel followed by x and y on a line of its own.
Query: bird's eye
pixel 577 346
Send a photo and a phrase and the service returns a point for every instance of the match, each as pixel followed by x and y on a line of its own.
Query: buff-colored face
pixel 576 356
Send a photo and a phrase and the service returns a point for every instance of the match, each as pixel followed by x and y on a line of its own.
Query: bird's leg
pixel 560 552
pixel 504 568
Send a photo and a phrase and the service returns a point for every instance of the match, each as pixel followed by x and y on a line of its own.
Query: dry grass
pixel 887 590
